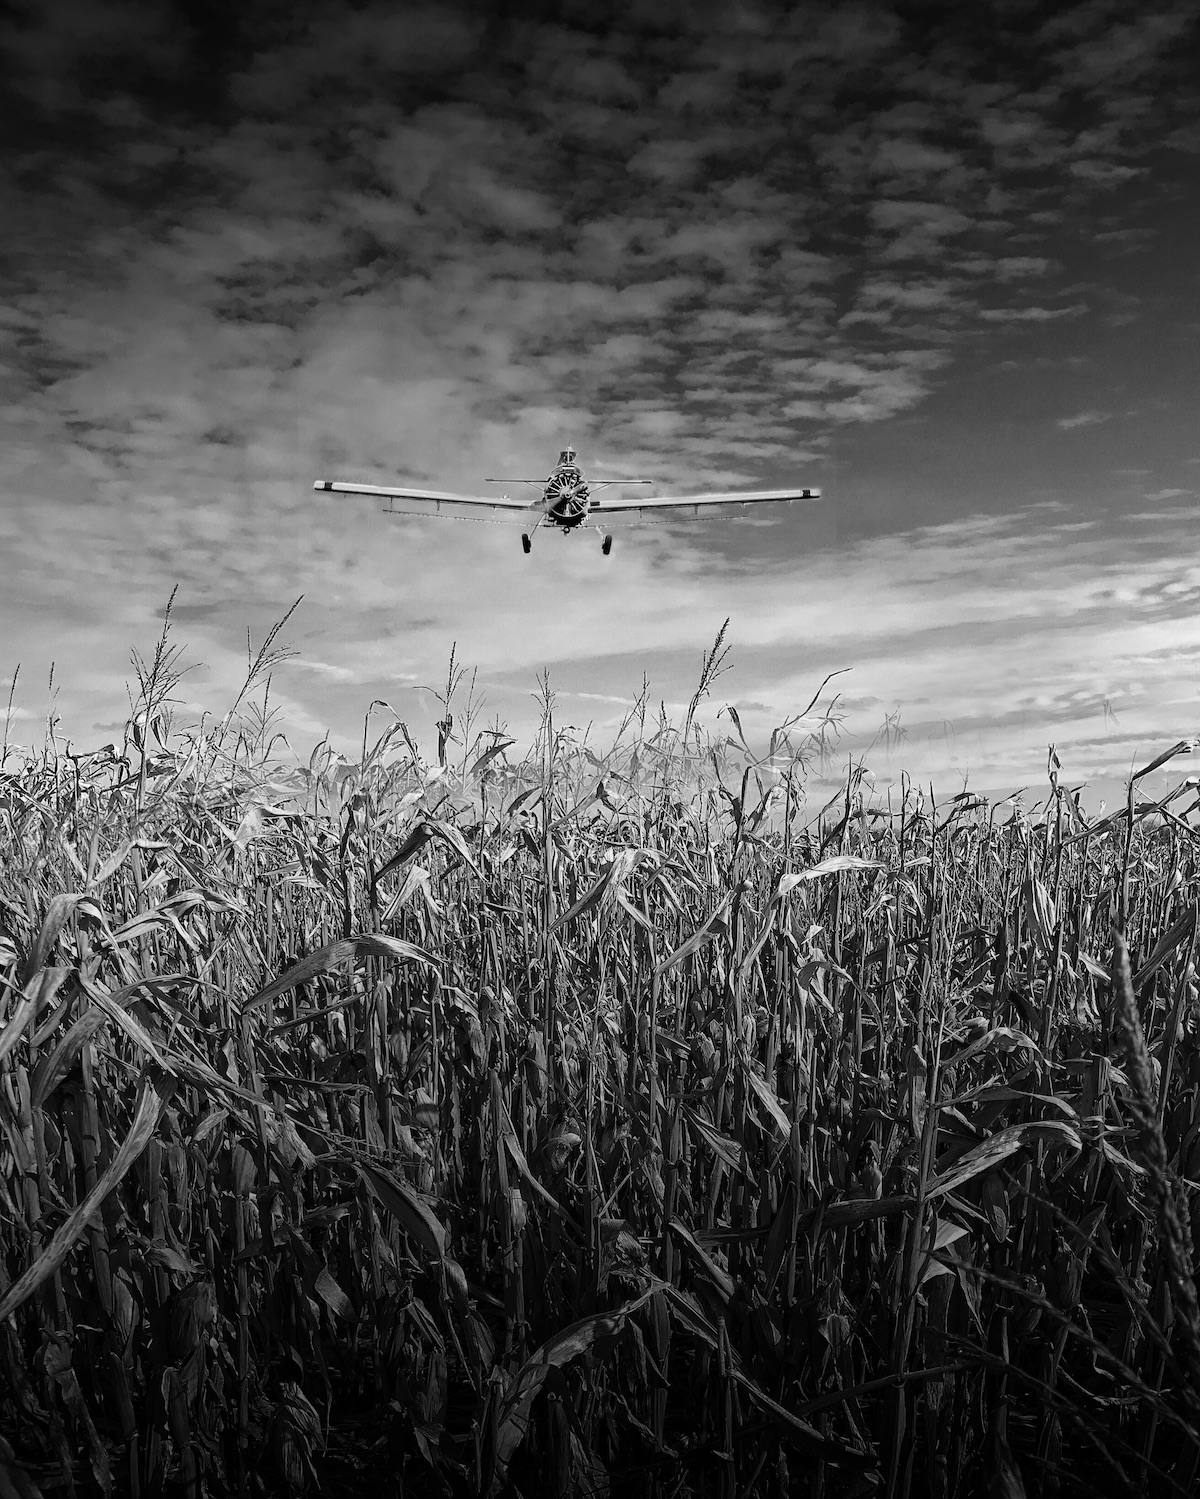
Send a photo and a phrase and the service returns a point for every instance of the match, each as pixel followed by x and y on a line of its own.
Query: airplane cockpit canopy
pixel 568 455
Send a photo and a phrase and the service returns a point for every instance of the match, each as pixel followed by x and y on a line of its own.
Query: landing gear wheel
pixel 525 542
pixel 607 545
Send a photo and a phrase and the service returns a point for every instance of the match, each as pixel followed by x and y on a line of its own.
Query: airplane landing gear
pixel 606 546
pixel 526 544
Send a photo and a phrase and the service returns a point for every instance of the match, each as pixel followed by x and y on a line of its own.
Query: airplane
pixel 567 500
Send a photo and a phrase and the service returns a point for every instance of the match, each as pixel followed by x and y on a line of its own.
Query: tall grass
pixel 469 1127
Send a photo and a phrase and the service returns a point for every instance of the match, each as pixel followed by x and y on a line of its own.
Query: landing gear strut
pixel 606 546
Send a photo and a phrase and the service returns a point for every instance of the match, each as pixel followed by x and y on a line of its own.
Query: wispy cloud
pixel 1083 419
pixel 1032 314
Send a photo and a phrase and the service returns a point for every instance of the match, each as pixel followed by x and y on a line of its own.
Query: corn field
pixel 588 1125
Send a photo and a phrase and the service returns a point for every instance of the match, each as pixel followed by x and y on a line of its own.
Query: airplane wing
pixel 433 498
pixel 694 503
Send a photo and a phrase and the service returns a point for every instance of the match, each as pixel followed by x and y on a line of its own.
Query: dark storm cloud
pixel 700 197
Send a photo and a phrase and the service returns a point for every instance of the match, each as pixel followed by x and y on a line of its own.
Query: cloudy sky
pixel 938 260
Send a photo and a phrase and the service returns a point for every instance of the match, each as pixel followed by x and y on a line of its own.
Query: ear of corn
pixel 483 1127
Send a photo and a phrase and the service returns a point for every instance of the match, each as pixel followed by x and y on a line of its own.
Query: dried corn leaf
pixel 721 1145
pixel 716 925
pixel 57 912
pixel 39 993
pixel 807 1438
pixel 587 902
pixel 132 1027
pixel 55 1065
pixel 413 1216
pixel 765 1095
pixel 426 829
pixel 998 1147
pixel 566 1345
pixel 333 955
pixel 152 1100
pixel 837 864
pixel 1001 1038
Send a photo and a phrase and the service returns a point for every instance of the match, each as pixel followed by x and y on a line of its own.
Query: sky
pixel 937 260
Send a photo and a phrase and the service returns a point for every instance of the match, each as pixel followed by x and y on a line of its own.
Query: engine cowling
pixel 567 494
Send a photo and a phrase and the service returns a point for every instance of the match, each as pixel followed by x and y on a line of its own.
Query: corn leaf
pixel 998 1147
pixel 325 959
pixel 152 1099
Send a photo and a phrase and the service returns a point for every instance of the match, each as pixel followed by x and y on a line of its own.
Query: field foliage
pixel 461 1126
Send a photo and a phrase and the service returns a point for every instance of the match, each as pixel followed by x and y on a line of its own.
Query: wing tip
pixel 325 486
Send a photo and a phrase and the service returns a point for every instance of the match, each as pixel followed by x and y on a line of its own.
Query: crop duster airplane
pixel 567 501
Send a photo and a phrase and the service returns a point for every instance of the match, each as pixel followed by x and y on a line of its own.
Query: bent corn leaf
pixel 998 1147
pixel 838 864
pixel 40 992
pixel 711 928
pixel 722 1146
pixel 333 955
pixel 807 1438
pixel 56 914
pixel 417 1221
pixel 554 1353
pixel 154 1098
pixel 763 1091
pixel 998 1038
pixel 53 1067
